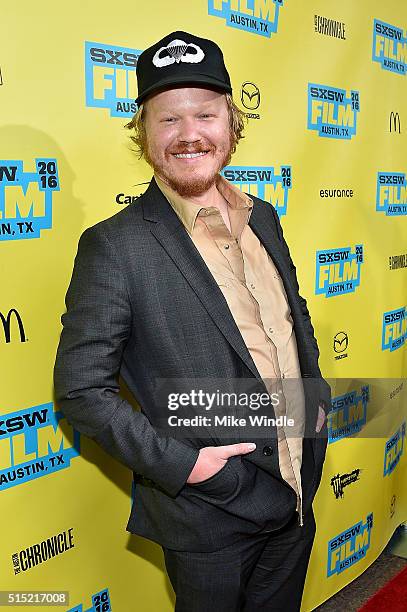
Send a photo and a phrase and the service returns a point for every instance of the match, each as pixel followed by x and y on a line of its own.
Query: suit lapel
pixel 171 234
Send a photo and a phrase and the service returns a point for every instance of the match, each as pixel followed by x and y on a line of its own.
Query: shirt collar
pixel 188 211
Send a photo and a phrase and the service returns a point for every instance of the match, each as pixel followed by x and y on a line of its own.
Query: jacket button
pixel 268 450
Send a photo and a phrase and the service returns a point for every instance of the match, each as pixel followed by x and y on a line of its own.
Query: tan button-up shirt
pixel 255 294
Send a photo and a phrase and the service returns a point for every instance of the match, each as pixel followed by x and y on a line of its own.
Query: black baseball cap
pixel 180 58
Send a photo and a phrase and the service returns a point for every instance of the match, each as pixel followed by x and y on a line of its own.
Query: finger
pixel 229 450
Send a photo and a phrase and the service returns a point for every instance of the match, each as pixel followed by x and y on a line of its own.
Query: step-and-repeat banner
pixel 324 88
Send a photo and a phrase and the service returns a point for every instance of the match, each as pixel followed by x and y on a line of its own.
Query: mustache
pixel 191 149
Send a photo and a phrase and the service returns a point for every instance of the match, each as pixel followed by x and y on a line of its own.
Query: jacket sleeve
pixel 96 326
pixel 324 388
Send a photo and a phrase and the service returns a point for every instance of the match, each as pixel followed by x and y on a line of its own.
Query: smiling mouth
pixel 190 155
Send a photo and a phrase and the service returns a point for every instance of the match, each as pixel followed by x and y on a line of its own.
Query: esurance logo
pixel 338 270
pixel 331 113
pixel 348 414
pixel 394 449
pixel 349 546
pixel 110 75
pixel 263 182
pixel 256 16
pixel 26 198
pixel 394 332
pixel 391 193
pixel 32 445
pixel 389 47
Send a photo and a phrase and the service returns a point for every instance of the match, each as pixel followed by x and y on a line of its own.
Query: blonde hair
pixel 237 120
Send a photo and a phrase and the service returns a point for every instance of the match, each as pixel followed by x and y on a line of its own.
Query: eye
pixel 169 120
pixel 205 116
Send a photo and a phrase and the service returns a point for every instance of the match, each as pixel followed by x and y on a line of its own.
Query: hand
pixel 321 419
pixel 211 459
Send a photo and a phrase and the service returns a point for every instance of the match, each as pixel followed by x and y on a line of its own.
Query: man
pixel 195 282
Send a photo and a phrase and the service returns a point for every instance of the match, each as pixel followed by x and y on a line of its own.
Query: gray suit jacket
pixel 143 304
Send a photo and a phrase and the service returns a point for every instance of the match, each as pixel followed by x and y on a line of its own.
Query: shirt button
pixel 207 212
pixel 282 375
pixel 252 286
pixel 268 450
pixel 226 246
pixel 271 330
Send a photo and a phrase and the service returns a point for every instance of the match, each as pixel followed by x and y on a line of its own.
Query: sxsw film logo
pixel 349 546
pixel 256 16
pixel 100 603
pixel 12 314
pixel 32 445
pixel 26 198
pixel 331 113
pixel 110 75
pixel 263 182
pixel 394 449
pixel 338 270
pixel 389 47
pixel 348 414
pixel 394 331
pixel 340 481
pixel 391 193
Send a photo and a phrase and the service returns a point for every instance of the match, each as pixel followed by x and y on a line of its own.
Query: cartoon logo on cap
pixel 178 51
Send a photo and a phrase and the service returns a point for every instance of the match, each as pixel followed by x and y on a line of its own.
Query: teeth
pixel 190 155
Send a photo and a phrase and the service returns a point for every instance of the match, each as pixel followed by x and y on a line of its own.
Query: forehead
pixel 184 98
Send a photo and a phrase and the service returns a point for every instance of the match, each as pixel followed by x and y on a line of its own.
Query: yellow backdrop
pixel 324 87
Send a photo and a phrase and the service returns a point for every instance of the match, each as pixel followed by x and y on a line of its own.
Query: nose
pixel 189 132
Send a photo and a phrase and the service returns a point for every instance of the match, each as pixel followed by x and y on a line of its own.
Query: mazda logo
pixel 250 95
pixel 341 342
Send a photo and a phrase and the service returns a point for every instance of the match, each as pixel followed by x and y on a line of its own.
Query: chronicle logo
pixel 394 449
pixel 348 414
pixel 329 27
pixel 349 546
pixel 394 330
pixel 264 182
pixel 178 51
pixel 257 16
pixel 6 320
pixel 33 445
pixel 392 506
pixel 331 113
pixel 394 122
pixel 341 342
pixel 26 198
pixel 391 193
pixel 389 47
pixel 398 261
pixel 100 601
pixel 396 391
pixel 110 77
pixel 340 481
pixel 27 558
pixel 338 270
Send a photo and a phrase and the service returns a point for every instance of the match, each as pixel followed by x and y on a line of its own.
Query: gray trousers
pixel 262 572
